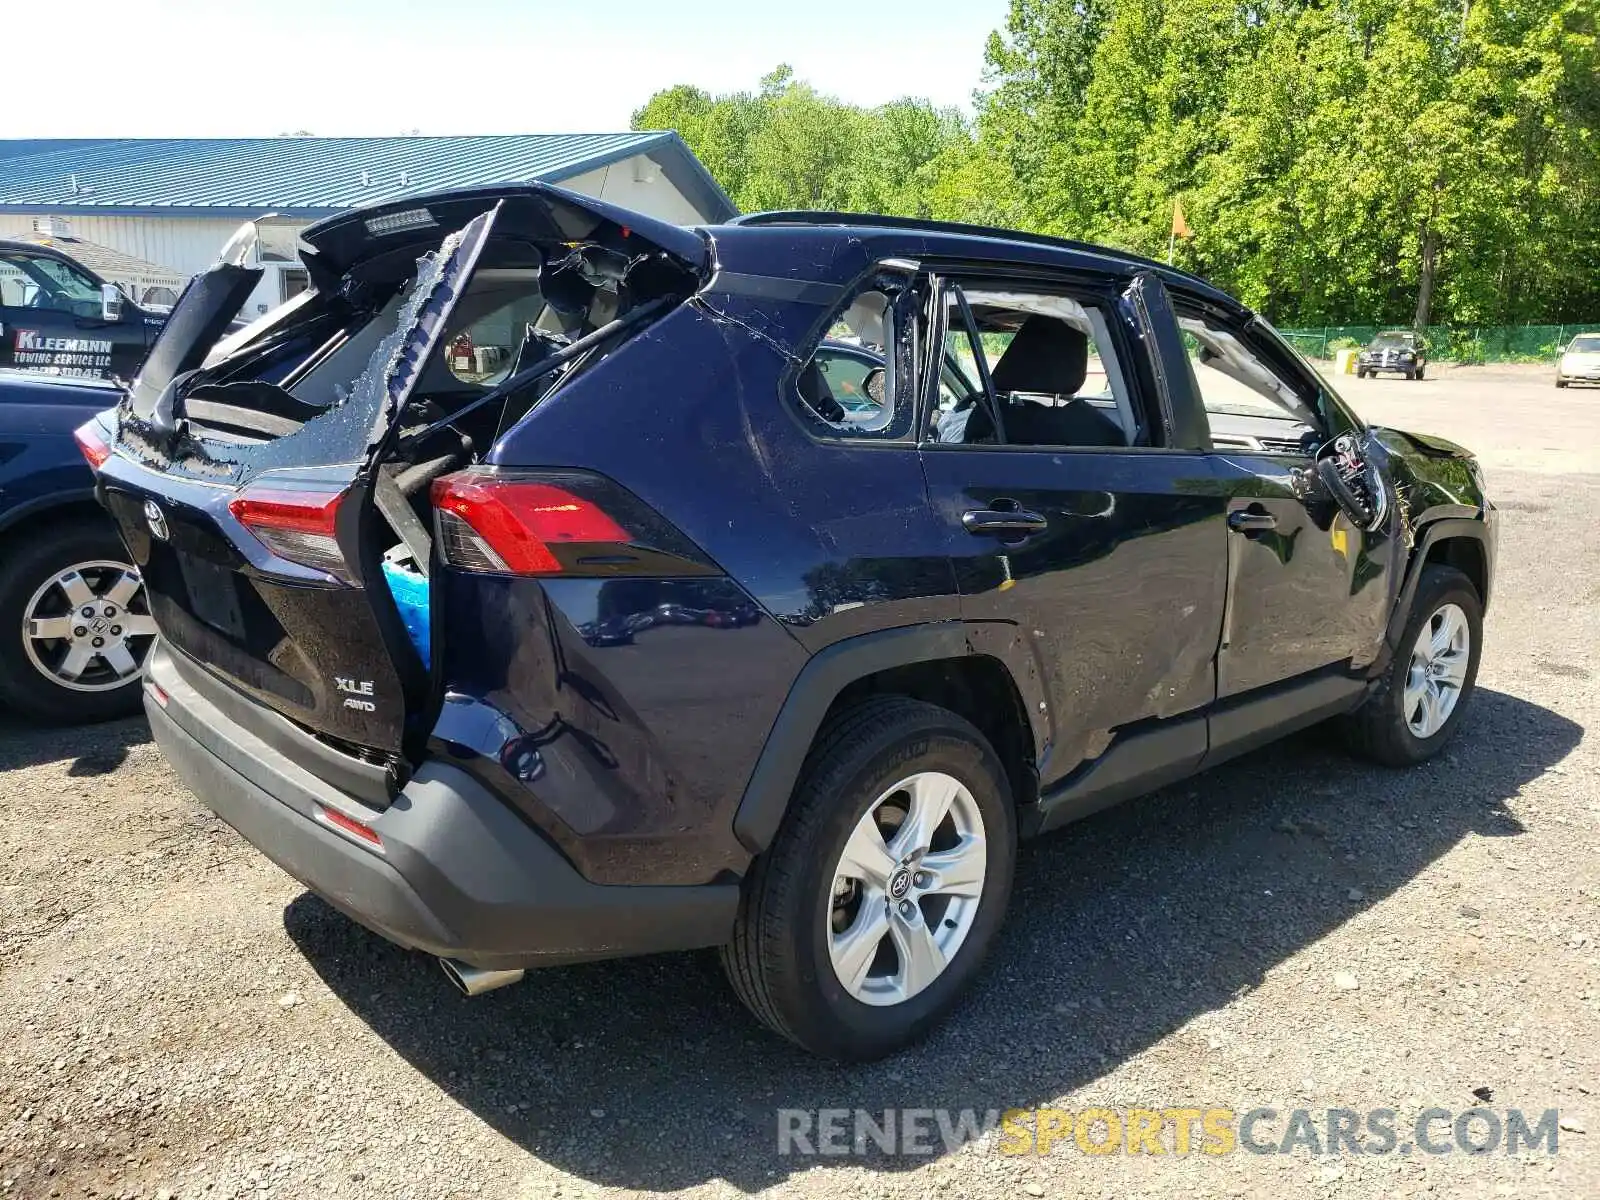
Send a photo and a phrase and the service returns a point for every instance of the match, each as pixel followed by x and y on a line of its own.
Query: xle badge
pixel 355 690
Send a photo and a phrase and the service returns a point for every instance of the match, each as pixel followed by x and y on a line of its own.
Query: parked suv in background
pixel 1580 361
pixel 1398 350
pixel 74 629
pixel 648 642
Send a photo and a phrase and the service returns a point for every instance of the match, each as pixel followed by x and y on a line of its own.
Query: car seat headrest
pixel 1046 356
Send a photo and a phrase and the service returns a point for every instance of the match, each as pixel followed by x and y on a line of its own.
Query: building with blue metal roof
pixel 175 201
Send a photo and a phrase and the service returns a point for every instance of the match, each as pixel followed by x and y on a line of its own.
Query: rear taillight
pixel 93 443
pixel 555 523
pixel 294 523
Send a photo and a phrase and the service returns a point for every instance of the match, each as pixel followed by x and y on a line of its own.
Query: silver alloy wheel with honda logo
pixel 75 624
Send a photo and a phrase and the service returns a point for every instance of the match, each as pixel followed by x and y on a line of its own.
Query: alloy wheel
pixel 906 888
pixel 1438 670
pixel 88 628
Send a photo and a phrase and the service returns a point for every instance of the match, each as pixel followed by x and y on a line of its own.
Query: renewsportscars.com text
pixel 1098 1131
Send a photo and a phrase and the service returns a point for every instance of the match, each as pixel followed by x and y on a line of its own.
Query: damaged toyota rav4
pixel 755 586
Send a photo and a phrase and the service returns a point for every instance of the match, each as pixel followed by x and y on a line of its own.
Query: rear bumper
pixel 459 874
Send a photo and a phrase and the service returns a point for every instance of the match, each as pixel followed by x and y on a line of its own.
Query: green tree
pixel 1362 161
pixel 789 146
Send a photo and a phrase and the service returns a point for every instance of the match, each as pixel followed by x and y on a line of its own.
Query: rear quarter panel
pixel 622 721
pixel 821 541
pixel 832 538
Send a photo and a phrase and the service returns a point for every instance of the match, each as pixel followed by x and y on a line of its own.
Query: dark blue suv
pixel 74 626
pixel 549 583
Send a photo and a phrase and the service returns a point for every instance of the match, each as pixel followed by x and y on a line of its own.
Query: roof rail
pixel 815 217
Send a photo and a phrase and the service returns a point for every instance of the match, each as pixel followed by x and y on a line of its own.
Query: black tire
pixel 778 960
pixel 1361 373
pixel 31 557
pixel 1561 383
pixel 1379 729
pixel 1421 371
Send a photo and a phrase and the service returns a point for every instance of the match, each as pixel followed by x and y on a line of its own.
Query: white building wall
pixel 637 183
pixel 190 244
pixel 186 244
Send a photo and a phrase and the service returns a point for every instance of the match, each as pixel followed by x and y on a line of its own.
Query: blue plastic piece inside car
pixel 410 591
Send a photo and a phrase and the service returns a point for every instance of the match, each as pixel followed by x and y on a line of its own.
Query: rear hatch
pixel 272 484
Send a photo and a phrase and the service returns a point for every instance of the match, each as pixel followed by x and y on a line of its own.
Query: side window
pixel 855 382
pixel 501 323
pixel 954 386
pixel 859 382
pixel 1031 369
pixel 28 281
pixel 1249 404
pixel 16 289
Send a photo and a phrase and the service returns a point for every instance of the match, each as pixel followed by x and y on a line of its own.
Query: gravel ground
pixel 1291 930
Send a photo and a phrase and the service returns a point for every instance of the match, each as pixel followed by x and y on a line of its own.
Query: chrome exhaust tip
pixel 474 981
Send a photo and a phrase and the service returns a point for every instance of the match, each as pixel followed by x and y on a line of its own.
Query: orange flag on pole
pixel 1180 228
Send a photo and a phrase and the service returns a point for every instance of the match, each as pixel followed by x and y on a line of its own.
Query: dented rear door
pixel 1107 562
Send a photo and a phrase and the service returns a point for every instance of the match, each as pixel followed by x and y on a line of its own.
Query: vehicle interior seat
pixel 1046 357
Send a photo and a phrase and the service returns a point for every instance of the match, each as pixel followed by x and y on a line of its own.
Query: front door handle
pixel 1246 521
pixel 1007 519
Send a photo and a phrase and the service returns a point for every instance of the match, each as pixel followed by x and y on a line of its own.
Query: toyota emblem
pixel 156 519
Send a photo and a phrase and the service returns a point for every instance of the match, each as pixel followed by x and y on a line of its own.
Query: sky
pixel 218 68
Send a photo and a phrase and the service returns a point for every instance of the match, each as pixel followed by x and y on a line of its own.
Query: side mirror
pixel 1352 481
pixel 873 385
pixel 110 302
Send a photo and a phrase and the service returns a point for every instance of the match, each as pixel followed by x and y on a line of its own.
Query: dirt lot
pixel 1292 930
pixel 1512 416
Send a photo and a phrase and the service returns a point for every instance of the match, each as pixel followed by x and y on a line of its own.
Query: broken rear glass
pixel 339 407
pixel 427 332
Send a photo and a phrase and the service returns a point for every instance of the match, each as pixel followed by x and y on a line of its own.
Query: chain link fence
pixel 1455 343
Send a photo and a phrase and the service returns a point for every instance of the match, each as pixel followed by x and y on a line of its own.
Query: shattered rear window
pixel 358 389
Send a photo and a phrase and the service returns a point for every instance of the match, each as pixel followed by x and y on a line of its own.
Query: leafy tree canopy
pixel 1382 161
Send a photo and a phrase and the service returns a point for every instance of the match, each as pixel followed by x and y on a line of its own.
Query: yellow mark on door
pixel 1339 538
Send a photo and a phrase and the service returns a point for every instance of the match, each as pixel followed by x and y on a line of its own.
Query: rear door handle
pixel 1246 521
pixel 1007 518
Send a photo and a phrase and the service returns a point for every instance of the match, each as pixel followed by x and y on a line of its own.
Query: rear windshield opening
pixel 523 302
